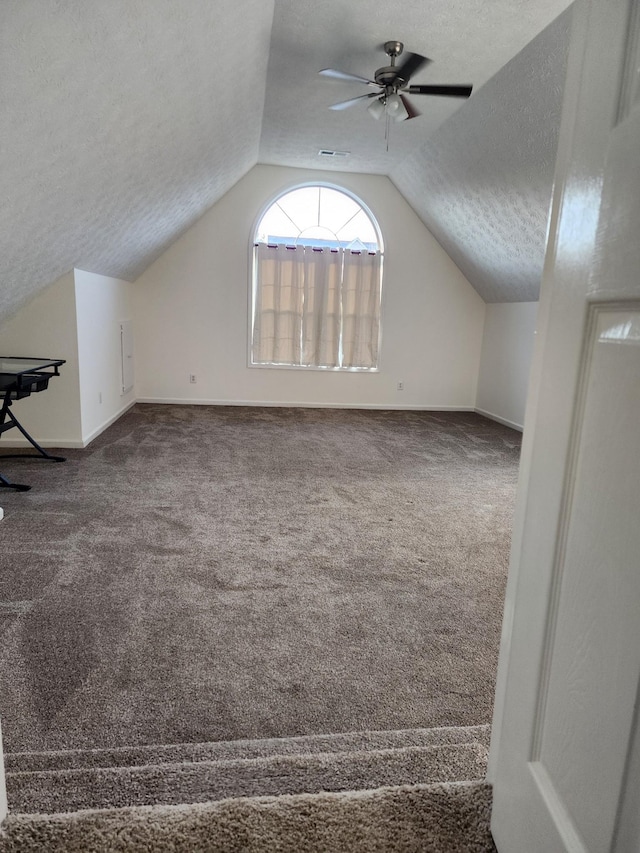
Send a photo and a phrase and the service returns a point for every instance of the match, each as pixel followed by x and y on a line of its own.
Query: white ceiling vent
pixel 326 152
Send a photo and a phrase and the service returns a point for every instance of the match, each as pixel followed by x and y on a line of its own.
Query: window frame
pixel 252 283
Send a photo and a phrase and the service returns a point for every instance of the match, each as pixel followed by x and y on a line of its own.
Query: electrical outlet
pixel 400 386
pixel 192 378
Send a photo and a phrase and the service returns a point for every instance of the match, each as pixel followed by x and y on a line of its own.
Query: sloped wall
pixel 116 131
pixel 482 182
pixel 191 312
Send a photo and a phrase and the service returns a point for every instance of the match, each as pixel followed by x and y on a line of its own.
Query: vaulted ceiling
pixel 122 122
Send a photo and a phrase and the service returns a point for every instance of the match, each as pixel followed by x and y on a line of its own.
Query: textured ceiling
pixel 468 41
pixel 482 182
pixel 119 128
pixel 122 122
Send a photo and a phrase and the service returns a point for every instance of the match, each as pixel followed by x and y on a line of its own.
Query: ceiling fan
pixel 392 83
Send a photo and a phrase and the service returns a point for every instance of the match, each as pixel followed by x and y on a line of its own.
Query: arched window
pixel 317 277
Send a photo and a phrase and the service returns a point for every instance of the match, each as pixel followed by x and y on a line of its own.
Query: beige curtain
pixel 321 319
pixel 279 299
pixel 361 280
pixel 316 307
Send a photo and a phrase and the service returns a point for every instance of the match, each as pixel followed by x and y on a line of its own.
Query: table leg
pixel 7 484
pixel 16 423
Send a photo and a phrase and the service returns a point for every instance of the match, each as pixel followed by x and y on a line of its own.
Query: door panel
pixel 565 757
pixel 594 630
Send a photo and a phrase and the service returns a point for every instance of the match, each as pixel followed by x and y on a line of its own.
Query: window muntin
pixel 309 214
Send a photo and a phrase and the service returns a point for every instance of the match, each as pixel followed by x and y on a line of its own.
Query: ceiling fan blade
pixel 414 62
pixel 344 104
pixel 343 75
pixel 447 91
pixel 412 112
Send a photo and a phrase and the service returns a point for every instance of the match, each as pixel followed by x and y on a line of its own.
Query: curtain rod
pixel 314 248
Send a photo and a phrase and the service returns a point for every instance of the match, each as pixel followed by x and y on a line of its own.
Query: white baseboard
pixel 87 439
pixel 185 401
pixel 500 420
pixel 20 443
pixel 178 401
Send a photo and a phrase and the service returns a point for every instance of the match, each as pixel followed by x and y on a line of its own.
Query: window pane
pixel 302 207
pixel 336 208
pixel 275 224
pixel 318 233
pixel 359 228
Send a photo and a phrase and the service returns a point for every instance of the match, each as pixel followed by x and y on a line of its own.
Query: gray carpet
pixel 288 766
pixel 448 818
pixel 115 787
pixel 235 750
pixel 206 574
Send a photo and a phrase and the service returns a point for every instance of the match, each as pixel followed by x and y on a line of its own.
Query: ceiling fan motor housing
pixel 389 76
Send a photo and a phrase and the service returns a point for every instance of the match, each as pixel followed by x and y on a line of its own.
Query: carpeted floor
pixel 201 574
pixel 409 819
pixel 74 780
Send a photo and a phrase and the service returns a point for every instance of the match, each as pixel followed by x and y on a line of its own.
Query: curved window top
pixel 318 216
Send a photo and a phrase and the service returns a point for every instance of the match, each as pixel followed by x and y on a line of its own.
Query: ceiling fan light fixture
pixel 393 104
pixel 376 108
pixel 396 108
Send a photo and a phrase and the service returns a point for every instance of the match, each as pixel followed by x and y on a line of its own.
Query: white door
pixel 565 758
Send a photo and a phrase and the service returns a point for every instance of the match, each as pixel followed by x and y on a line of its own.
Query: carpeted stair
pixel 419 789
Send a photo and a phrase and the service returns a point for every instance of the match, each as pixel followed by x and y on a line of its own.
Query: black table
pixel 20 377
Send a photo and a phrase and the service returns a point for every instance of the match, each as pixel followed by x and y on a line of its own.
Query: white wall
pixel 46 327
pixel 190 312
pixel 76 318
pixel 101 304
pixel 507 349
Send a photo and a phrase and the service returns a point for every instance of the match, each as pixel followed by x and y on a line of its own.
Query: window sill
pixel 306 368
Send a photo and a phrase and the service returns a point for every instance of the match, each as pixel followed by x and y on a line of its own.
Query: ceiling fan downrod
pixel 387 76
